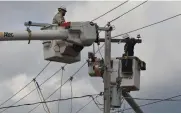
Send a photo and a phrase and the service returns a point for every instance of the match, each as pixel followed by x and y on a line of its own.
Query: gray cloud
pixel 160 50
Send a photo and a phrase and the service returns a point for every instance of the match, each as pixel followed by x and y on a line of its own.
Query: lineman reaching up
pixel 59 17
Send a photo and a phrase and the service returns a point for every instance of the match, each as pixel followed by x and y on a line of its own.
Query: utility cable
pixel 61 81
pixel 38 87
pixel 110 10
pixel 121 16
pixel 96 103
pixel 35 88
pixel 40 96
pixel 145 27
pixel 66 81
pixel 104 15
pixel 71 77
pixel 46 101
pixel 84 106
pixel 25 85
pixel 156 101
pixel 101 93
pixel 148 25
pixel 128 11
pixel 50 95
pixel 99 51
pixel 147 99
pixel 71 93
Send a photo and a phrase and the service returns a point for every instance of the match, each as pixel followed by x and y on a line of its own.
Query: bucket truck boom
pixel 60 43
pixel 35 35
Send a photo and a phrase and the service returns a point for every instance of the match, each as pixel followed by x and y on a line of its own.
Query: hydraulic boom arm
pixel 34 35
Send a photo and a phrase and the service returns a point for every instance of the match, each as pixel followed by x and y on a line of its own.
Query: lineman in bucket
pixel 59 17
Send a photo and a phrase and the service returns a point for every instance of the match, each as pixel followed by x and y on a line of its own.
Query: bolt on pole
pixel 107 72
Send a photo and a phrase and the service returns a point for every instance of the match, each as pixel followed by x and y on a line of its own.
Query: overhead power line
pixel 110 10
pixel 26 84
pixel 47 101
pixel 104 15
pixel 62 84
pixel 71 94
pixel 84 106
pixel 49 96
pixel 148 25
pixel 35 88
pixel 150 99
pixel 128 11
pixel 99 48
pixel 144 27
pixel 41 96
pixel 61 81
pixel 101 93
pixel 97 103
pixel 156 101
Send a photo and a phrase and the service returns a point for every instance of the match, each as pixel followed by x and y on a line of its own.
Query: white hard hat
pixel 63 8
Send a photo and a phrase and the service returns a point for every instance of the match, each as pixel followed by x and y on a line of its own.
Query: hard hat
pixel 63 8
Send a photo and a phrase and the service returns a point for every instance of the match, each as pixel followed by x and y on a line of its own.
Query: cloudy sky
pixel 20 61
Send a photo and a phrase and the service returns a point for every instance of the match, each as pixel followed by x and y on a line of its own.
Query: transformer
pixel 115 97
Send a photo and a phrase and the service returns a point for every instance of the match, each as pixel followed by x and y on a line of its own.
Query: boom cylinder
pixel 34 35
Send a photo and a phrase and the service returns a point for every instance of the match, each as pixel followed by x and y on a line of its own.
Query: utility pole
pixel 107 69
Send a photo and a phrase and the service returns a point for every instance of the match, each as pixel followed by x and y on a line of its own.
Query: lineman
pixel 59 17
pixel 129 46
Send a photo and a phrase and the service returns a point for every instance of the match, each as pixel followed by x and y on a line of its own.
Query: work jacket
pixel 58 18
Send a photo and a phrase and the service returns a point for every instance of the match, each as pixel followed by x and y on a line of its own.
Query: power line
pixel 63 84
pixel 128 11
pixel 148 25
pixel 110 10
pixel 144 27
pixel 97 103
pixel 156 101
pixel 104 15
pixel 99 51
pixel 47 101
pixel 84 106
pixel 39 95
pixel 147 99
pixel 26 85
pixel 61 81
pixel 101 93
pixel 71 93
pixel 48 96
pixel 120 17
pixel 42 96
pixel 35 88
